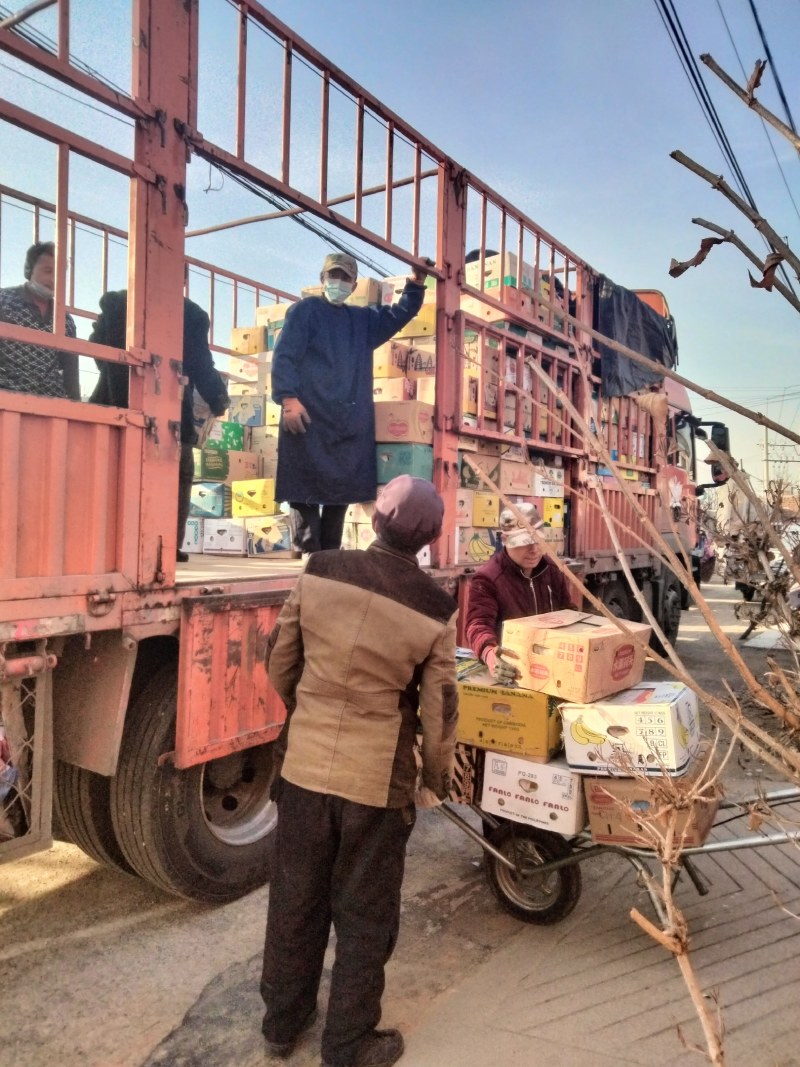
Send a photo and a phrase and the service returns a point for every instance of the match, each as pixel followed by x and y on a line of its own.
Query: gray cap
pixel 409 513
pixel 517 533
pixel 341 261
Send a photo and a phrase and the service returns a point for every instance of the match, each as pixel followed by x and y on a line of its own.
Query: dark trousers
pixel 317 526
pixel 342 863
pixel 185 477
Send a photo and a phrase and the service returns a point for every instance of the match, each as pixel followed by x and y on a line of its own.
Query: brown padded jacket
pixel 364 642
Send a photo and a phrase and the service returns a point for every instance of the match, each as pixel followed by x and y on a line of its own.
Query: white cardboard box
pixel 268 535
pixel 576 656
pixel 653 725
pixel 193 536
pixel 225 536
pixel 549 795
pixel 548 481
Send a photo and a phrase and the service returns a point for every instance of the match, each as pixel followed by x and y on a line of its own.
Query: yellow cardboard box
pixel 508 720
pixel 247 340
pixel 253 496
pixel 485 509
pixel 390 360
pixel 576 656
pixel 423 325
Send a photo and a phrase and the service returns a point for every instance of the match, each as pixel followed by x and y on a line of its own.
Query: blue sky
pixel 569 108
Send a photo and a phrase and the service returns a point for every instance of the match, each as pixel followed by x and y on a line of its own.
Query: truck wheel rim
pixel 234 796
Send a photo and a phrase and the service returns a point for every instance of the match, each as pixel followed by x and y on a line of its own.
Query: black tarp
pixel 622 316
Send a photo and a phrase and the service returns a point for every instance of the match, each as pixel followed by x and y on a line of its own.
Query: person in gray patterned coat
pixel 29 368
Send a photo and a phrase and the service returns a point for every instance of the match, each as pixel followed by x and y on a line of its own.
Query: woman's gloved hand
pixel 501 670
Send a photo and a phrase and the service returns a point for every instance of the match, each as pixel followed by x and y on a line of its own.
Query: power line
pixel 773 68
pixel 763 124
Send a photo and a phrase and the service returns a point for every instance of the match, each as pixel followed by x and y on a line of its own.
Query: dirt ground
pixel 100 970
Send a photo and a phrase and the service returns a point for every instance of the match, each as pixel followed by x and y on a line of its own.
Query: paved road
pixel 98 970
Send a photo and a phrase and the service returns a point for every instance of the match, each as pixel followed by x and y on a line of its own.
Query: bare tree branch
pixel 746 96
pixel 731 238
pixel 716 181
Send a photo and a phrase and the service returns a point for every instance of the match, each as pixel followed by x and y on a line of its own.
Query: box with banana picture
pixel 650 728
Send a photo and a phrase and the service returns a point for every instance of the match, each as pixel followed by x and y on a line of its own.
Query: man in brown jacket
pixel 364 646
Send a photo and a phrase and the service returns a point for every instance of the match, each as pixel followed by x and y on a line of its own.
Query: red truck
pixel 133 694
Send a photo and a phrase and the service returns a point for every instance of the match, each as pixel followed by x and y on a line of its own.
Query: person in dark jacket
pixel 362 649
pixel 322 378
pixel 110 328
pixel 521 580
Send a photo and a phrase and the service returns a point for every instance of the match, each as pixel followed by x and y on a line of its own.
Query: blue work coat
pixel 324 358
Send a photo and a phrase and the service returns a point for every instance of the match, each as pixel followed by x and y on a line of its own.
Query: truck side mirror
pixel 721 438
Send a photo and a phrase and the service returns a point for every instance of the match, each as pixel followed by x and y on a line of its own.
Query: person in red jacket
pixel 521 580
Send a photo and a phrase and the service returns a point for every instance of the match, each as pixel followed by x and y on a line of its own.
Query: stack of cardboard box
pixel 233 509
pixel 583 672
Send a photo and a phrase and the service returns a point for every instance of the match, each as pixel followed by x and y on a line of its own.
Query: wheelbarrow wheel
pixel 526 892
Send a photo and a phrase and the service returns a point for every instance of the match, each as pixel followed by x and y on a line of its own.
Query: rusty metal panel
pixel 70 488
pixel 225 699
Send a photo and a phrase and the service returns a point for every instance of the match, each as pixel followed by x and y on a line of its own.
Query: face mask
pixel 40 290
pixel 336 291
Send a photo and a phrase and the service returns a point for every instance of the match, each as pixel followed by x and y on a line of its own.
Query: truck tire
pixel 82 808
pixel 198 833
pixel 526 893
pixel 617 598
pixel 670 616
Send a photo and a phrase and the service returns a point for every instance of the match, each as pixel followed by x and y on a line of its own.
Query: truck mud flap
pixel 225 699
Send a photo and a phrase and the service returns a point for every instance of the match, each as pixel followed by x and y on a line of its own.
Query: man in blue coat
pixel 322 378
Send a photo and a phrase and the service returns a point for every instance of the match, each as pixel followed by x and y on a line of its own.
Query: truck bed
pixel 203 568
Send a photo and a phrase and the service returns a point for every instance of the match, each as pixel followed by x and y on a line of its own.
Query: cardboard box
pixel 360 512
pixel 465 785
pixel 465 499
pixel 553 511
pixel 228 436
pixel 549 795
pixel 612 803
pixel 210 500
pixel 548 481
pixel 575 656
pixel 264 444
pixel 508 719
pixel 424 324
pixel 653 725
pixel 272 314
pixel 394 459
pixel 247 340
pixel 253 496
pixel 225 536
pixel 421 362
pixel 468 479
pixel 243 466
pixel 394 389
pixel 390 360
pixel 426 390
pixel 475 544
pixel 210 464
pixel 392 289
pixel 193 536
pixel 515 477
pixel 424 556
pixel 492 274
pixel 268 535
pixel 485 509
pixel 254 371
pixel 272 415
pixel 404 420
pixel 247 410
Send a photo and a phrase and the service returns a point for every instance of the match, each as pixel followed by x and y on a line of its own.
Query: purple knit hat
pixel 409 512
